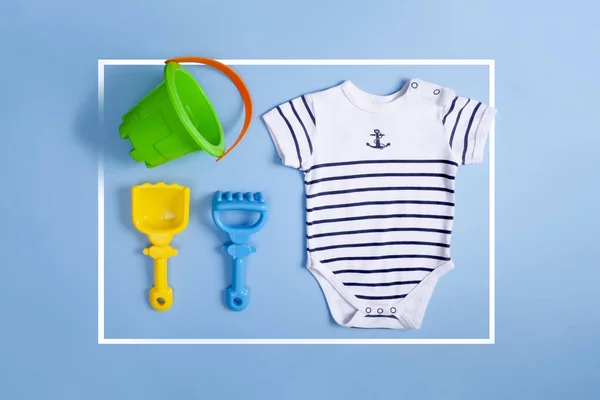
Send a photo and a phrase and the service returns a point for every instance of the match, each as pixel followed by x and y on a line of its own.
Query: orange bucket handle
pixel 237 81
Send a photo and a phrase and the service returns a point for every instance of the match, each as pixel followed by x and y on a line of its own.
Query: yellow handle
pixel 161 294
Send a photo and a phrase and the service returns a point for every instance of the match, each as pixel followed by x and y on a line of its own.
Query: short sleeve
pixel 292 127
pixel 467 123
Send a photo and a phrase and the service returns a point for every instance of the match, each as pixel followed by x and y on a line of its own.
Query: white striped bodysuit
pixel 379 175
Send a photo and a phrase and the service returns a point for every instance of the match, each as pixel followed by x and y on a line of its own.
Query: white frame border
pixel 492 220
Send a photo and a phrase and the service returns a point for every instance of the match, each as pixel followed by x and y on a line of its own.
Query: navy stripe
pixel 449 111
pixel 379 231
pixel 339 164
pixel 342 246
pixel 338 178
pixel 377 203
pixel 397 283
pixel 379 316
pixel 363 217
pixel 468 129
pixel 293 135
pixel 456 122
pixel 308 109
pixel 380 271
pixel 397 296
pixel 377 189
pixel 386 257
pixel 303 127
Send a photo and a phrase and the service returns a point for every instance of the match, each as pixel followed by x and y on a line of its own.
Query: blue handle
pixel 237 295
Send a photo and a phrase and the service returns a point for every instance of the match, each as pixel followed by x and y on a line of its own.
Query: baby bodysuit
pixel 379 179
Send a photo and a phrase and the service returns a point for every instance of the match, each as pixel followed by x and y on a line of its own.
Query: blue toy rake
pixel 237 295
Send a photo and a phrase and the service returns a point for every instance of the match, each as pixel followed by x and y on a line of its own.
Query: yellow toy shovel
pixel 160 211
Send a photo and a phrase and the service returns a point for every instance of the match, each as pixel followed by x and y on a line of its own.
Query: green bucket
pixel 176 118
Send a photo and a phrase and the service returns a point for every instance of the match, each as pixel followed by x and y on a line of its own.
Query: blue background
pixel 546 140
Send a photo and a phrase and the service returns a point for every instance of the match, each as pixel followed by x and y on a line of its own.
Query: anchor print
pixel 378 135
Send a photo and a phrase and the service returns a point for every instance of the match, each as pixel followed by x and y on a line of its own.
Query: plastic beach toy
pixel 177 118
pixel 238 295
pixel 160 211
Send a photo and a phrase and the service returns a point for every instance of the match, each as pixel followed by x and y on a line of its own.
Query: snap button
pixel 414 85
pixel 379 310
pixel 368 310
pixel 436 91
pixel 393 310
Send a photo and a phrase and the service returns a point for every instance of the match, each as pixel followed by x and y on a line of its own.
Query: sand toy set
pixel 175 119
